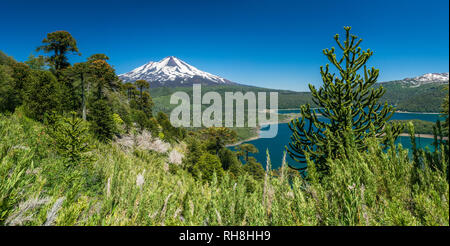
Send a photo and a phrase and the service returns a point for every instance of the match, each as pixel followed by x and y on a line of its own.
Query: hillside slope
pixel 141 187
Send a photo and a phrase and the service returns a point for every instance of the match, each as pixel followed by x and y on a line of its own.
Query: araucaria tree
pixel 60 43
pixel 245 149
pixel 349 109
pixel 70 138
pixel 219 137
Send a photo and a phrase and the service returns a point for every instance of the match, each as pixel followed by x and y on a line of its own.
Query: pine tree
pixel 349 105
pixel 219 137
pixel 72 99
pixel 70 138
pixel 43 94
pixel 60 43
pixel 207 165
pixel 245 149
pixel 254 168
pixel 8 96
pixel 141 85
pixel 130 90
pixel 146 103
pixel 195 150
pixel 228 158
pixel 102 121
pixel 103 77
pixel 82 70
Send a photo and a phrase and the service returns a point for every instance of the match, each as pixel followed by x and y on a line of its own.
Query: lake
pixel 276 145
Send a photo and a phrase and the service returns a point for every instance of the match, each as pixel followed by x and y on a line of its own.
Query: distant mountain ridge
pixel 172 72
pixel 428 78
pixel 419 94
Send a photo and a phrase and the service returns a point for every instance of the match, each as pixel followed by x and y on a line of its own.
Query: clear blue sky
pixel 275 44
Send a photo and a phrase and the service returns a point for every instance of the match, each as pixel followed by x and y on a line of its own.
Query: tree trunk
pixel 83 97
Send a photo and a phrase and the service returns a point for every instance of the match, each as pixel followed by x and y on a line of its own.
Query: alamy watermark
pixel 233 107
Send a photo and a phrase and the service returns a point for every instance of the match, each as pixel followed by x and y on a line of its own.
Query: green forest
pixel 79 147
pixel 424 98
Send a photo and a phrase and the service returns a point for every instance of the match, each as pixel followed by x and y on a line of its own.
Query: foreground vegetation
pixel 136 187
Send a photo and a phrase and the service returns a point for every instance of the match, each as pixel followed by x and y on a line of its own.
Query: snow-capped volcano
pixel 171 71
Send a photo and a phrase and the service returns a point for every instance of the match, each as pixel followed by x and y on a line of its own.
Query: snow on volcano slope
pixel 171 71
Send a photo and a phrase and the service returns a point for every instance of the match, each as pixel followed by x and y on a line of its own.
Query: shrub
pixel 42 95
pixel 70 138
pixel 206 166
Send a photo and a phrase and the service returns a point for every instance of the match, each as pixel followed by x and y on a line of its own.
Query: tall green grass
pixel 140 188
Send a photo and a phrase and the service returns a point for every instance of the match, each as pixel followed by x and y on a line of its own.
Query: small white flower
pixel 140 179
pixel 351 187
pixel 175 157
pixel 108 187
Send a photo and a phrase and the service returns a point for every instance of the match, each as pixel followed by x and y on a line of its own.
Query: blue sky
pixel 275 44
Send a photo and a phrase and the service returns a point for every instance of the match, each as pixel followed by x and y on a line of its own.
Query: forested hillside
pixel 424 98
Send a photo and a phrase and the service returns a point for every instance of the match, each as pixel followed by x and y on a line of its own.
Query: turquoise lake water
pixel 276 145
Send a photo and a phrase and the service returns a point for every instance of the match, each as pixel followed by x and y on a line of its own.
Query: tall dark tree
pixel 348 103
pixel 82 70
pixel 219 137
pixel 43 94
pixel 228 158
pixel 102 121
pixel 60 43
pixel 245 149
pixel 69 84
pixel 145 103
pixel 141 85
pixel 103 76
pixel 130 90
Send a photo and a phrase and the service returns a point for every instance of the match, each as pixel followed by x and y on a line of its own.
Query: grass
pixel 138 187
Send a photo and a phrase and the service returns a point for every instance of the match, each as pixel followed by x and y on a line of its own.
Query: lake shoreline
pixel 418 135
pixel 285 121
pixel 397 111
pixel 407 112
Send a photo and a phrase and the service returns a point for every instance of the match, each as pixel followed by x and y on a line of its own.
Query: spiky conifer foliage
pixel 349 104
pixel 70 138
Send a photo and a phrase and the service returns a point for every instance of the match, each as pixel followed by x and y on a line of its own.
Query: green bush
pixel 207 166
pixel 70 138
pixel 254 168
pixel 102 121
pixel 42 94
